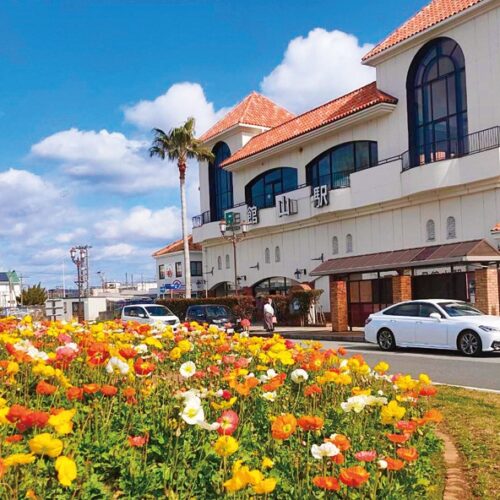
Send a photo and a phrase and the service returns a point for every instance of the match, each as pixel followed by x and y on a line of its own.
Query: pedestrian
pixel 269 315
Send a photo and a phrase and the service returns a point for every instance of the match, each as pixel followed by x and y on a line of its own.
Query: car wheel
pixel 469 343
pixel 386 340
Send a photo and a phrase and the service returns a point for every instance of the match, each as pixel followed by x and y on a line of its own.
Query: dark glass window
pixel 410 309
pixel 196 268
pixel 427 309
pixel 437 102
pixel 221 183
pixel 333 167
pixel 178 269
pixel 161 271
pixel 262 190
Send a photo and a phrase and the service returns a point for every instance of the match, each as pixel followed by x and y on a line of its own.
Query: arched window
pixel 220 183
pixel 277 254
pixel 267 256
pixel 262 190
pixel 451 228
pixel 228 262
pixel 348 243
pixel 333 167
pixel 437 102
pixel 430 228
pixel 335 245
pixel 219 263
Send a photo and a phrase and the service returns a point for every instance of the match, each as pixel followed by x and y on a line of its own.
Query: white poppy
pixel 324 450
pixel 187 369
pixel 299 375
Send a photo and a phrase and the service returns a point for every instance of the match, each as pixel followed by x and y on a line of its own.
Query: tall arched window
pixel 430 229
pixel 451 228
pixel 333 167
pixel 437 102
pixel 335 245
pixel 262 190
pixel 348 243
pixel 219 263
pixel 220 183
pixel 228 262
pixel 267 256
pixel 277 254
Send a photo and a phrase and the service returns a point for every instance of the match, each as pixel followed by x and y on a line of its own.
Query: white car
pixel 436 324
pixel 149 313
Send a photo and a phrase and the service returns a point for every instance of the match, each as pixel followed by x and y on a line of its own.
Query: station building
pixel 388 193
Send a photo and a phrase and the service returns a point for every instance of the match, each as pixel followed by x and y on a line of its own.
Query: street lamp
pixel 229 231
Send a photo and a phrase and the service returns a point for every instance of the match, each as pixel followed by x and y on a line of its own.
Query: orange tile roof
pixel 177 246
pixel 430 15
pixel 330 112
pixel 496 228
pixel 255 109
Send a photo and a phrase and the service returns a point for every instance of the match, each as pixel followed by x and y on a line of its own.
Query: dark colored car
pixel 214 314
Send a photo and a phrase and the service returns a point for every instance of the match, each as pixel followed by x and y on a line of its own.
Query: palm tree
pixel 181 145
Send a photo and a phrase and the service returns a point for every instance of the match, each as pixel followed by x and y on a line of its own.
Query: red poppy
pixel 143 367
pixel 90 388
pixel 128 352
pixel 310 423
pixel 326 483
pixel 108 390
pixel 228 422
pixel 408 454
pixel 98 354
pixel 138 441
pixel 73 393
pixel 354 476
pixel 16 412
pixel 427 390
pixel 15 438
pixel 398 438
pixel 407 426
pixel 32 419
pixel 366 456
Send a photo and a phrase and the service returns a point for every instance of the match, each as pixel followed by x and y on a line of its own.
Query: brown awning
pixel 467 251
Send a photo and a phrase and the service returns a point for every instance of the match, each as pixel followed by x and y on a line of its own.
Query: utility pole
pixel 21 278
pixel 79 256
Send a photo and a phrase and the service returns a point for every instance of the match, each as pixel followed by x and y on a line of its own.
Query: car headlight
pixel 489 328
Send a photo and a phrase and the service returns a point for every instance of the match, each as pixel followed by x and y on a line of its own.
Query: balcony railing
pixel 452 148
pixel 200 220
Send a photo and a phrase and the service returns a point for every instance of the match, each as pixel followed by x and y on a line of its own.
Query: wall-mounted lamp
pixel 242 278
pixel 210 272
pixel 299 273
pixel 257 266
pixel 321 257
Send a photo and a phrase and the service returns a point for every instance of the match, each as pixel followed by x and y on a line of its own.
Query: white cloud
pixel 317 68
pixel 139 224
pixel 117 251
pixel 106 159
pixel 172 108
pixel 71 236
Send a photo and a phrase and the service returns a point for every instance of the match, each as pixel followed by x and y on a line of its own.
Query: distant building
pixel 10 289
pixel 170 276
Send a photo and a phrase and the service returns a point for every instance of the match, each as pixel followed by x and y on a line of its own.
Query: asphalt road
pixel 446 367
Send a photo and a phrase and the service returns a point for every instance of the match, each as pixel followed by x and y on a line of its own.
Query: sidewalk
pixel 310 333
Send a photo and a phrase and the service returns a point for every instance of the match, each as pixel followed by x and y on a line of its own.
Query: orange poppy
pixel 326 483
pixel 408 454
pixel 427 390
pixel 15 438
pixel 310 423
pixel 312 390
pixel 45 389
pixel 407 426
pixel 90 388
pixel 394 463
pixel 128 352
pixel 354 476
pixel 338 459
pixel 74 393
pixel 340 441
pixel 284 426
pixel 433 416
pixel 274 383
pixel 398 438
pixel 109 390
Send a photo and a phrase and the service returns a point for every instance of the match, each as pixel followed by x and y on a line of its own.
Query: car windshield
pixel 158 311
pixel 217 311
pixel 459 309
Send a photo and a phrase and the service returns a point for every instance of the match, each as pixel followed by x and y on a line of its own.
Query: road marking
pixel 481 389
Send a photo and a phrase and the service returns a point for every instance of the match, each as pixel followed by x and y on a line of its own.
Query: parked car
pixel 214 314
pixel 436 324
pixel 149 313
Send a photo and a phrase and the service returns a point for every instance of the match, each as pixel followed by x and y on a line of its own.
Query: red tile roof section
pixel 496 228
pixel 430 15
pixel 330 112
pixel 177 246
pixel 255 109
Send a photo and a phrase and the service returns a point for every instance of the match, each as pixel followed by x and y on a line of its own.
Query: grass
pixel 472 420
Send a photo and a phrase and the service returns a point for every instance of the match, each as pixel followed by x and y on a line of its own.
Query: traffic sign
pixel 176 285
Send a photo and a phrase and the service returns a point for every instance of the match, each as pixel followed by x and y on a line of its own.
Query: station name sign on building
pixel 321 196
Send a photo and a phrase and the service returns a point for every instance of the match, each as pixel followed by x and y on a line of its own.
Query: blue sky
pixel 83 82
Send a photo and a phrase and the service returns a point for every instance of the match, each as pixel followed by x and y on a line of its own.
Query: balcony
pixel 449 149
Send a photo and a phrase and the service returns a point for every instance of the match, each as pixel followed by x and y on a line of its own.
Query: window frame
pixel 178 269
pixel 220 182
pixel 196 268
pixel 161 271
pixel 271 187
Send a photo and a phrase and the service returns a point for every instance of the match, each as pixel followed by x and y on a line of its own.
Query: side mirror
pixel 435 316
pixel 142 315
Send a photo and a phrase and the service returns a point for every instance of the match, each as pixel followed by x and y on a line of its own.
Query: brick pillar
pixel 338 305
pixel 401 288
pixel 487 290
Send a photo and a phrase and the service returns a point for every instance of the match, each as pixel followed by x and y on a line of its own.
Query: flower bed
pixel 113 410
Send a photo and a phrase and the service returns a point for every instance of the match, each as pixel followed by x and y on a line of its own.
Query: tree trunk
pixel 185 236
